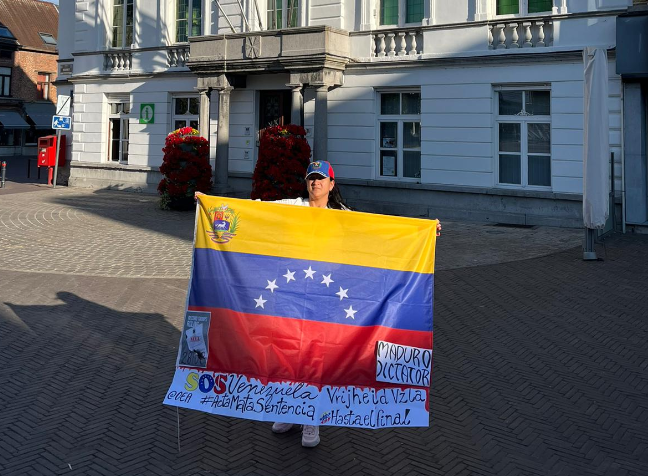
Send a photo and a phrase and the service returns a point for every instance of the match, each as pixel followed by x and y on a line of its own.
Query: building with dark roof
pixel 28 67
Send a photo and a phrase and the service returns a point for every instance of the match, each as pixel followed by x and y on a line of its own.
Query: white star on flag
pixel 327 280
pixel 290 275
pixel 342 293
pixel 260 302
pixel 272 285
pixel 350 312
pixel 309 273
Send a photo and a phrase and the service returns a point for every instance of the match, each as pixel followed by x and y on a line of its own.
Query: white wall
pixel 458 121
pixel 90 118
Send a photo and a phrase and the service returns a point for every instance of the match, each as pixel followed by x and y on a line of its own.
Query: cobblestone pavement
pixel 72 231
pixel 541 362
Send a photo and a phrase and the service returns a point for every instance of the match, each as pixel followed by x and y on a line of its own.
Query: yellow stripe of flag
pixel 309 233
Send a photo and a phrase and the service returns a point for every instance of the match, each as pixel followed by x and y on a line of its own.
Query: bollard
pixel 3 173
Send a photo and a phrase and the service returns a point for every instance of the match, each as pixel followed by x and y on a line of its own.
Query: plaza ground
pixel 540 359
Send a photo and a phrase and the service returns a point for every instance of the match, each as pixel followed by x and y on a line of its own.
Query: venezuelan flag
pixel 303 294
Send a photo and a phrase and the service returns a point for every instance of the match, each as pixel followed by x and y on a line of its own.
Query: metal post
pixel 588 246
pixel 3 173
pixel 58 149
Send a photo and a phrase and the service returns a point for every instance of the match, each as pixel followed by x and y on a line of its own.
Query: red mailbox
pixel 47 151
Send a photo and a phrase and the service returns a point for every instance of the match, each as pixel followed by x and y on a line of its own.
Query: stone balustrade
pixel 396 44
pixel 177 56
pixel 118 60
pixel 520 34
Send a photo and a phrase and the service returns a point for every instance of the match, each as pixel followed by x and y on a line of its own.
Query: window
pixel 43 86
pixel 10 137
pixel 401 12
pixel 185 112
pixel 5 33
pixel 48 39
pixel 119 132
pixel 32 135
pixel 524 137
pixel 282 14
pixel 122 25
pixel 5 81
pixel 188 19
pixel 399 143
pixel 524 7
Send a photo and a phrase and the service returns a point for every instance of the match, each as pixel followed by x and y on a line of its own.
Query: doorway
pixel 274 109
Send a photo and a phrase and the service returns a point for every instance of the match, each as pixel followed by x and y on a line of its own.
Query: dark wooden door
pixel 274 109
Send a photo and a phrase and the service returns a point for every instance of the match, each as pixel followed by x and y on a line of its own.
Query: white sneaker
pixel 310 436
pixel 281 427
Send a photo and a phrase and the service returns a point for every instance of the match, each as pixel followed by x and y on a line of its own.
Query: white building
pixel 449 109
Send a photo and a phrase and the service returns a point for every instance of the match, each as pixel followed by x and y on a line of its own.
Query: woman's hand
pixel 439 229
pixel 197 194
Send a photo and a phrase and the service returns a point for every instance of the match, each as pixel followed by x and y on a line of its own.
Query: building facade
pixel 456 109
pixel 28 69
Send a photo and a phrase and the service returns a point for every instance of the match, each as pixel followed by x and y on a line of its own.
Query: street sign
pixel 62 122
pixel 147 113
pixel 63 105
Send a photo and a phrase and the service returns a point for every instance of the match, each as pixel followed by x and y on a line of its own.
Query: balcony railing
pixel 520 34
pixel 177 56
pixel 121 60
pixel 387 45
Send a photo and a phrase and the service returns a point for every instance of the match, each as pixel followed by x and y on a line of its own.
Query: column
pixel 222 141
pixel 428 12
pixel 297 104
pixel 203 118
pixel 559 6
pixel 365 15
pixel 320 139
pixel 207 17
pixel 481 10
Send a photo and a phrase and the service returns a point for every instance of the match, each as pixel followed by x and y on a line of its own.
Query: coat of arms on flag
pixel 309 316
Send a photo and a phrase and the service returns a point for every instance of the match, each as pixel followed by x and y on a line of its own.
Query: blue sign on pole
pixel 62 122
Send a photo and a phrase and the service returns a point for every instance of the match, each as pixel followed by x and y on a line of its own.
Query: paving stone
pixel 539 365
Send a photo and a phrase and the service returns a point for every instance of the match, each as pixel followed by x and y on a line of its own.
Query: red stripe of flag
pixel 279 348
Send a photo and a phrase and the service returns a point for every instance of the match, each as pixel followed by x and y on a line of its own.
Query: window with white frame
pixel 524 137
pixel 188 19
pixel 43 83
pixel 522 7
pixel 282 14
pixel 186 112
pixel 401 12
pixel 399 128
pixel 122 23
pixel 119 131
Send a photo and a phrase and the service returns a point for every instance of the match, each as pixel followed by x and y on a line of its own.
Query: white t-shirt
pixel 299 201
pixel 302 202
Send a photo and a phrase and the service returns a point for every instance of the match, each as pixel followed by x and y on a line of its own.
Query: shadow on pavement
pixel 135 209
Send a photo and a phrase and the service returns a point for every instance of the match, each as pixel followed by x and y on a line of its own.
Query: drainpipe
pixel 623 191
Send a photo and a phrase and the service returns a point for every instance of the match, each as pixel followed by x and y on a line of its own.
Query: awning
pixel 12 120
pixel 41 114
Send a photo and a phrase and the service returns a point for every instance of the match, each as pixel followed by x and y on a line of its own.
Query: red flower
pixel 185 165
pixel 284 155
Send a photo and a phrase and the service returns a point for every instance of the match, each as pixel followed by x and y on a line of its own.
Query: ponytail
pixel 335 199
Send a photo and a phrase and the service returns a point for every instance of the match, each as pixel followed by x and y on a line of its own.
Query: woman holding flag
pixel 323 192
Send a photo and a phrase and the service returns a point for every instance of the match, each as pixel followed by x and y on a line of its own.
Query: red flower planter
pixel 186 169
pixel 284 155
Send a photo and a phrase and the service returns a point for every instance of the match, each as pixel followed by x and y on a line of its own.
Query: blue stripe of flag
pixel 240 282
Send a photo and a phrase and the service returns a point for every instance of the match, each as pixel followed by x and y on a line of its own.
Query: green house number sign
pixel 147 114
